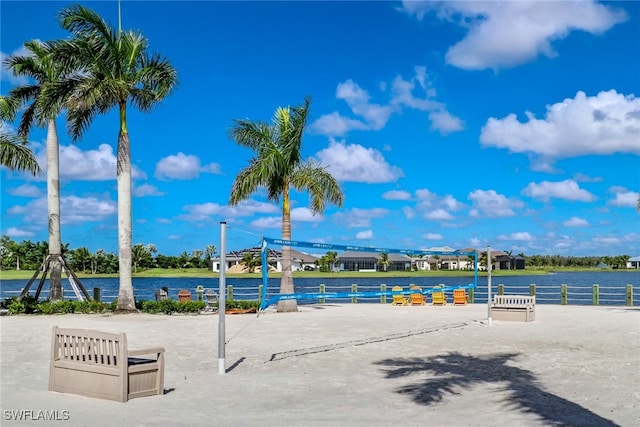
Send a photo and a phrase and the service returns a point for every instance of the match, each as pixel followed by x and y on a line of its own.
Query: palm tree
pixel 116 70
pixel 40 66
pixel 332 258
pixel 251 261
pixel 384 261
pixel 13 152
pixel 278 167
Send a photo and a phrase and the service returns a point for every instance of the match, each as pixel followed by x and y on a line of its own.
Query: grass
pixel 205 273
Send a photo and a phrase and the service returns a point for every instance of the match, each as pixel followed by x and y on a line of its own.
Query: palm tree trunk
pixel 126 303
pixel 53 206
pixel 286 283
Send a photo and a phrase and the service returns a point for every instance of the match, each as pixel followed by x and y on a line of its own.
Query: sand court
pixel 351 364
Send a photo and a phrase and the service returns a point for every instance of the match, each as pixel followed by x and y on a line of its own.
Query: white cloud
pixel 567 190
pixel 506 34
pixel 73 210
pixel 358 217
pixel 606 240
pixel 522 236
pixel 431 206
pixel 408 212
pixel 15 232
pixel 183 166
pixel 267 222
pixel 26 190
pixel 438 215
pixel 374 116
pixel 488 203
pixel 305 215
pixel 85 165
pixel 355 163
pixel 335 124
pixel 444 122
pixel 146 190
pixel 432 236
pixel 364 235
pixel 585 125
pixel 624 197
pixel 396 195
pixel 574 221
pixel 207 211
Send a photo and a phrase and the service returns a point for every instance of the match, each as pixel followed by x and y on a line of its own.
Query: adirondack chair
pixel 438 298
pixel 460 297
pixel 416 296
pixel 398 299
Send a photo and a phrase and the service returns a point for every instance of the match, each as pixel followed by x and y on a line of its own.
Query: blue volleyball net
pixel 273 299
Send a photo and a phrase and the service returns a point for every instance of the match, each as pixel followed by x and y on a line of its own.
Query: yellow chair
pixel 460 297
pixel 416 297
pixel 438 297
pixel 398 299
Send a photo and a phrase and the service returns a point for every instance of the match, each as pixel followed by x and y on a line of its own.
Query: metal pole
pixel 489 284
pixel 222 298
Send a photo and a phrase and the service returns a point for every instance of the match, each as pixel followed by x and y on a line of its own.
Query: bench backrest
pixel 514 300
pixel 89 347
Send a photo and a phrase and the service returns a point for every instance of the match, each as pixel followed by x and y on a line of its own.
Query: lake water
pixel 612 286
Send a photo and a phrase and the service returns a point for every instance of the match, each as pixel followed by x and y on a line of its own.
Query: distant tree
pixel 384 261
pixel 80 258
pixel 251 261
pixel 332 259
pixel 141 256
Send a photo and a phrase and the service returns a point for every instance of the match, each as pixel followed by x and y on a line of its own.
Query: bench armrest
pixel 154 350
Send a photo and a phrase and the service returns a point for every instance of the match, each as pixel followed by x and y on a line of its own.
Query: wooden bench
pixel 98 364
pixel 517 308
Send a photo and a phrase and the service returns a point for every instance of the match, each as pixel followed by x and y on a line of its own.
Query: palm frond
pixel 320 184
pixel 16 156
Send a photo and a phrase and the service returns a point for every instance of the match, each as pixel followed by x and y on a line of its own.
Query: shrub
pixel 242 304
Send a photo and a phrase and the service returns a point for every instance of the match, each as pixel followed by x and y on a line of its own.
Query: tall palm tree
pixel 14 154
pixel 40 66
pixel 278 167
pixel 117 70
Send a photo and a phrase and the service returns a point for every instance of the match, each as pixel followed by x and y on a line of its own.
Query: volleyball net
pixel 267 300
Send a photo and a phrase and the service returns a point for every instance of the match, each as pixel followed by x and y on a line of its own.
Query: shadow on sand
pixel 452 371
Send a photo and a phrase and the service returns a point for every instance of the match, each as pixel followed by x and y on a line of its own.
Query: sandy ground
pixel 352 365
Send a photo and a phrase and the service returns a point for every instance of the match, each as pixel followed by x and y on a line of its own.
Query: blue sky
pixel 459 124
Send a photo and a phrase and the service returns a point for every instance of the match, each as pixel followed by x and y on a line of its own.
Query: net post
pixel 222 304
pixel 489 284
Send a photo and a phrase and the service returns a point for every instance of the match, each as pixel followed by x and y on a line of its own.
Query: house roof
pixel 272 255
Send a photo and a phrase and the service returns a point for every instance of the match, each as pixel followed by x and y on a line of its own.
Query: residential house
pixel 299 260
pixel 370 261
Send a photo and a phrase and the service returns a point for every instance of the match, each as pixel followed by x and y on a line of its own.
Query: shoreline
pixel 206 274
